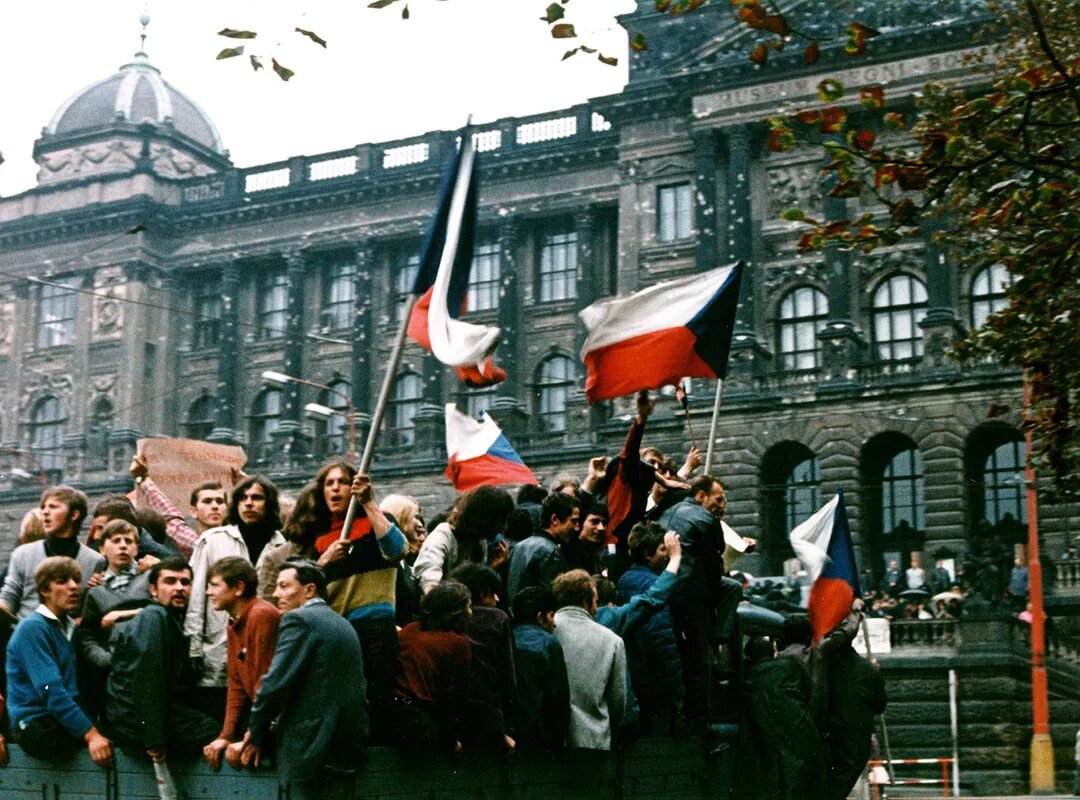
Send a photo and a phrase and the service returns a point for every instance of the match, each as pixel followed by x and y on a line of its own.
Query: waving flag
pixel 443 279
pixel 654 338
pixel 480 454
pixel 823 545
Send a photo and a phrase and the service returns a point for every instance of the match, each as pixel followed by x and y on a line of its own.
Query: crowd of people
pixel 573 617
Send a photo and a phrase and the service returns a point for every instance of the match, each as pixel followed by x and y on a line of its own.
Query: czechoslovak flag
pixel 442 280
pixel 480 454
pixel 664 333
pixel 823 545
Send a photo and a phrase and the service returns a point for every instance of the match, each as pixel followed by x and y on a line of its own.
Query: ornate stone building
pixel 147 285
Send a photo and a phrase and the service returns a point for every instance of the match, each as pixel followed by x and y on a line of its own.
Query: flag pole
pixel 712 426
pixel 884 727
pixel 680 395
pixel 380 408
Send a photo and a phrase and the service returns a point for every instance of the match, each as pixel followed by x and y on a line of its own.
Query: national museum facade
pixel 147 284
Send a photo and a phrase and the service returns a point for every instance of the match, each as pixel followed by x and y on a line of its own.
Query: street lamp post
pixel 279 379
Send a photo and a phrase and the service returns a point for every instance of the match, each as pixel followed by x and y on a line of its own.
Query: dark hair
pixel 557 505
pixel 479 579
pixel 797 630
pixel 115 506
pixel 573 588
pixel 272 511
pixel 172 564
pixel 481 514
pixel 118 527
pixel 307 571
pixel 311 516
pixel 531 493
pixel 205 486
pixel 54 569
pixel 703 483
pixel 152 522
pixel 598 508
pixel 531 602
pixel 606 591
pixel 519 525
pixel 233 570
pixel 70 497
pixel 759 648
pixel 643 540
pixel 445 607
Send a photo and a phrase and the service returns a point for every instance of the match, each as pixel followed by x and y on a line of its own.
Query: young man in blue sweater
pixel 42 689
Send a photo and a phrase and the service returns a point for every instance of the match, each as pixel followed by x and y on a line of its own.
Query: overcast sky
pixel 379 78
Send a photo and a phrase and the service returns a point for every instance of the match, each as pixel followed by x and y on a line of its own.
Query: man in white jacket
pixel 595 664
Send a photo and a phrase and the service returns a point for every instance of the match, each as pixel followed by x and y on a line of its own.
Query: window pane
pixel 484 278
pixel 339 294
pixel 408 397
pixel 56 313
pixel 558 266
pixel 556 379
pixel 405 266
pixel 899 307
pixel 273 302
pixel 803 313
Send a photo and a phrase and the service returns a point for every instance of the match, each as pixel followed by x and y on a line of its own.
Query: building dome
pixel 134 95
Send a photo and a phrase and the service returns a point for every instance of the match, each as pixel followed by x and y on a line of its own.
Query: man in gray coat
pixel 315 688
pixel 595 664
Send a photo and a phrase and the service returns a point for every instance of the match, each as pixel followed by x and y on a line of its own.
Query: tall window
pixel 1003 483
pixel 802 315
pixel 208 309
pixel 339 295
pixel 902 492
pixel 336 430
pixel 790 494
pixel 988 293
pixel 201 418
pixel 478 401
pixel 555 381
pixel 558 266
pixel 801 492
pixel 899 306
pixel 408 397
pixel 56 313
pixel 403 268
pixel 484 278
pixel 273 299
pixel 674 212
pixel 265 415
pixel 47 424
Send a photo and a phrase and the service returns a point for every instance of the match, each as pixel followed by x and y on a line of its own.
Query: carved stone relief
pixel 7 322
pixel 39 383
pixel 118 155
pixel 172 163
pixel 780 277
pixel 908 259
pixel 110 292
pixel 793 185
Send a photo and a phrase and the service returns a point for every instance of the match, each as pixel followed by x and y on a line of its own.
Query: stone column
pixel 940 326
pixel 705 167
pixel 291 442
pixel 584 225
pixel 225 431
pixel 509 308
pixel 363 339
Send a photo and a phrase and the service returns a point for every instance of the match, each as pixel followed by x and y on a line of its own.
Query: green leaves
pixel 230 52
pixel 555 12
pixel 638 43
pixel 231 33
pixel 313 36
pixel 282 72
pixel 830 90
pixel 563 30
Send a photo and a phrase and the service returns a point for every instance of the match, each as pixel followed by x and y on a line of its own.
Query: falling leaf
pixel 753 16
pixel 864 140
pixel 555 12
pixel 662 5
pixel 380 3
pixel 833 119
pixel 846 189
pixel 911 178
pixel 585 49
pixel 639 44
pixel 283 72
pixel 776 23
pixel 809 117
pixel 780 139
pixel 885 175
pixel 894 121
pixel 230 52
pixel 569 53
pixel 563 30
pixel 792 215
pixel 812 52
pixel 760 54
pixel 863 31
pixel 872 96
pixel 313 36
pixel 405 12
pixel 830 90
pixel 690 6
pixel 611 61
pixel 256 64
pixel 231 33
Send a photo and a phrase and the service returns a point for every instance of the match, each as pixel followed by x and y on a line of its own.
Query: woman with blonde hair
pixel 406 512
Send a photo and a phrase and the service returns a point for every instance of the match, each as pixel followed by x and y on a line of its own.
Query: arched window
pixel 265 415
pixel 802 315
pixel 408 397
pixel 790 494
pixel 335 431
pixel 994 462
pixel 201 418
pixel 894 520
pixel 47 428
pixel 555 380
pixel 988 293
pixel 339 294
pixel 899 306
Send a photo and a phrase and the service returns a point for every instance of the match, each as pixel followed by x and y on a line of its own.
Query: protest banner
pixel 178 465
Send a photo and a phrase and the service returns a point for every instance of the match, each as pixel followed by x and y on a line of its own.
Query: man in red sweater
pixel 252 636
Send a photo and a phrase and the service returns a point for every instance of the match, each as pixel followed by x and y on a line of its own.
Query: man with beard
pixel 63 510
pixel 253 524
pixel 151 677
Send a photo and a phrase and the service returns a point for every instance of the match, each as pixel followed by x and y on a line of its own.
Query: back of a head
pixel 573 588
pixel 115 507
pixel 759 648
pixel 607 593
pixel 564 481
pixel 532 602
pixel 152 522
pixel 481 514
pixel 702 483
pixel 520 525
pixel 445 607
pixel 480 579
pixel 531 493
pixel 643 540
pixel 557 505
pixel 797 631
pixel 32 528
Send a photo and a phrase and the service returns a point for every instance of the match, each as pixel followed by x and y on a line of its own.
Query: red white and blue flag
pixel 480 455
pixel 823 545
pixel 442 280
pixel 658 336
